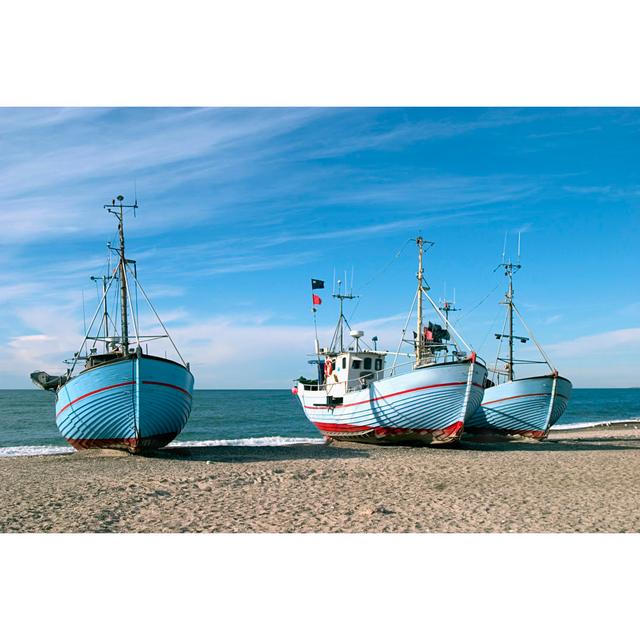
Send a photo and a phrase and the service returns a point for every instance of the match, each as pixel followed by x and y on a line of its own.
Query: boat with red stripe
pixel 422 396
pixel 518 407
pixel 123 397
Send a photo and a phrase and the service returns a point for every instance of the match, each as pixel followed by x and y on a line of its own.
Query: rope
pixel 540 349
pixel 379 273
pixel 484 340
pixel 404 330
pixel 75 360
pixel 435 306
pixel 495 366
pixel 477 305
pixel 133 314
pixel 160 320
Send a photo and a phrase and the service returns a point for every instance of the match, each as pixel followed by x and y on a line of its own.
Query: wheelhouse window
pixel 344 363
pixel 356 364
pixel 378 364
pixel 367 363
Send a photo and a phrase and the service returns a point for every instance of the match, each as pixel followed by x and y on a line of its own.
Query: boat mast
pixel 509 269
pixel 341 320
pixel 510 302
pixel 119 214
pixel 447 307
pixel 420 276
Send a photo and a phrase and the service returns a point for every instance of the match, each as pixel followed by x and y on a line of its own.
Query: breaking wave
pixel 269 441
pixel 46 450
pixel 265 441
pixel 598 423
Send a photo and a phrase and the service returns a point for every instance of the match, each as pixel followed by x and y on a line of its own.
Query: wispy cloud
pixel 234 197
pixel 605 343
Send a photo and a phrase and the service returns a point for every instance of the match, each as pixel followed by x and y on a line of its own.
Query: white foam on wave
pixel 598 423
pixel 267 441
pixel 47 450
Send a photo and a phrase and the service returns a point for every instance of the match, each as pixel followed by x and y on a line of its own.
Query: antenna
pixel 135 196
pixel 333 289
pixel 504 247
pixel 338 335
pixel 519 233
pixel 351 278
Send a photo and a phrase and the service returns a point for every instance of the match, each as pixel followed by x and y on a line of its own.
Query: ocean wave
pixel 33 450
pixel 267 441
pixel 263 441
pixel 598 423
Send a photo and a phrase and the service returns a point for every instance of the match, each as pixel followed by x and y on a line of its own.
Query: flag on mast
pixel 317 284
pixel 316 299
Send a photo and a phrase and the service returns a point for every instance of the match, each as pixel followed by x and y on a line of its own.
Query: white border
pixel 329 53
pixel 292 53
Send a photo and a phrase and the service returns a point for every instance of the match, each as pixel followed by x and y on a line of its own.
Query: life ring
pixel 328 367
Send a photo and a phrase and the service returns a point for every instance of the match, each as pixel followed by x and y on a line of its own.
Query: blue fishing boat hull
pixel 521 408
pixel 137 403
pixel 426 406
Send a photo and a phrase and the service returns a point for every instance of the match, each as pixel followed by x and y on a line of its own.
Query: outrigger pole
pixel 122 266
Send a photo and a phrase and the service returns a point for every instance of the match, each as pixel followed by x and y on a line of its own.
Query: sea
pixel 252 418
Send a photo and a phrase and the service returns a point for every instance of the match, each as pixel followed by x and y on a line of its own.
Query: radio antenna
pixel 519 233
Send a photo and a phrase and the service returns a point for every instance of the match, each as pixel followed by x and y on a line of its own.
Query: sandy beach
pixel 577 481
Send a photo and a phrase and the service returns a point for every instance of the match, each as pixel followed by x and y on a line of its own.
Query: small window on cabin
pixel 378 364
pixel 344 363
pixel 367 363
pixel 356 364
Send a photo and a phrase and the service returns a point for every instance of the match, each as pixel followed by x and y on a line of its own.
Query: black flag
pixel 317 284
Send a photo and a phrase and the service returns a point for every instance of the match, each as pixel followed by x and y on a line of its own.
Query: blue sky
pixel 239 208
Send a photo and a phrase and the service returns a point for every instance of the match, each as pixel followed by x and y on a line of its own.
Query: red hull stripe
pixel 350 428
pixel 397 393
pixel 91 393
pixel 166 384
pixel 353 428
pixel 120 384
pixel 524 395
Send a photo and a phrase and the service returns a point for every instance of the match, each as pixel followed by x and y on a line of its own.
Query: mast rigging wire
pixel 379 273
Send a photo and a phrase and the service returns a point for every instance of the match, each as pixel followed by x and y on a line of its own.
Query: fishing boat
pixel 123 397
pixel 361 396
pixel 518 407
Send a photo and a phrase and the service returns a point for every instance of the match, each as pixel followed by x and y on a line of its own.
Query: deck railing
pixel 389 372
